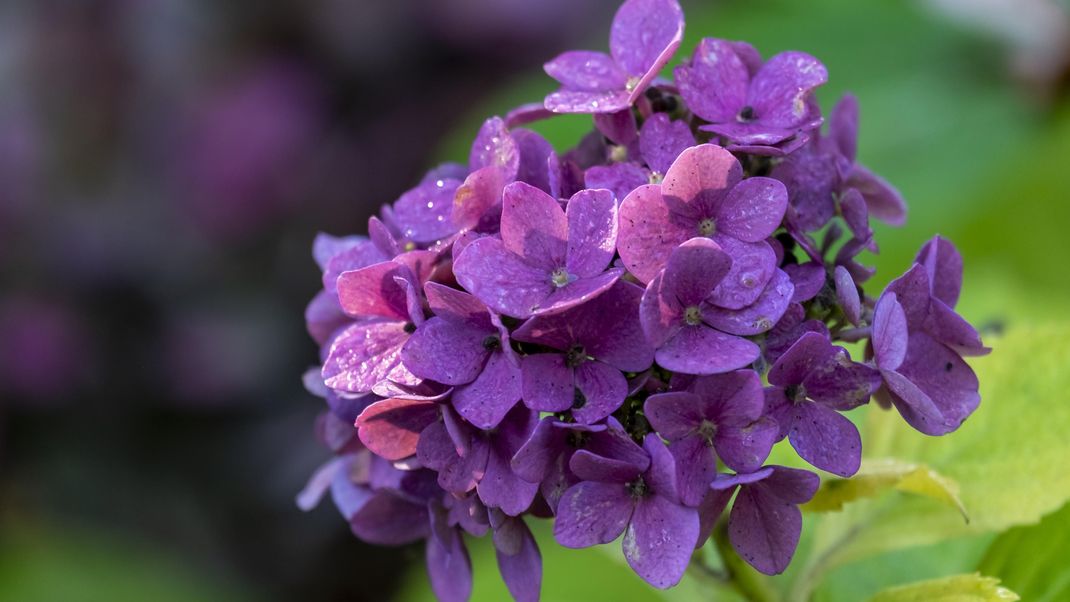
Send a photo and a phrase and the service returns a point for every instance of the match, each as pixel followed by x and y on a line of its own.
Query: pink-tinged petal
pixel 586 71
pixel 745 448
pixel 660 312
pixel 537 160
pixel 447 352
pixel 577 101
pixel 603 389
pixel 714 84
pixel 577 292
pixel 808 279
pixel 703 350
pixel 780 89
pixel 674 415
pixel 916 407
pixel 526 113
pixel 534 226
pixel 372 291
pixel 694 269
pixel 826 439
pixel 391 428
pixel 702 175
pixel 660 539
pixel 367 353
pixel 456 306
pixel 424 213
pixel 882 199
pixel 619 127
pixel 753 209
pixel 486 400
pixel 753 265
pixel 953 330
pixel 592 513
pixel 763 529
pixel 449 568
pixel 522 570
pixel 661 140
pixel 494 146
pixel 943 263
pixel 620 178
pixel 843 127
pixel 847 295
pixel 651 226
pixel 323 317
pixel 889 332
pixel 947 380
pixel 758 317
pixel 547 383
pixel 360 255
pixel 387 519
pixel 645 33
pixel 696 467
pixel 501 279
pixel 479 196
pixel 592 232
pixel 810 350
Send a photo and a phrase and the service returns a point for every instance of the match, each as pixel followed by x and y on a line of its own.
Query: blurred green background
pixel 953 113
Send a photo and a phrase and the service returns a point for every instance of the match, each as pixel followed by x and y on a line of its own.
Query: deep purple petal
pixel 660 539
pixel 779 90
pixel 811 349
pixel 494 392
pixel 947 380
pixel 745 448
pixel 843 127
pixel 763 529
pixel 533 461
pixel 522 570
pixel 953 330
pixel 449 568
pixel 826 439
pixel 660 312
pixel 674 415
pixel 548 384
pixel 537 160
pixel 943 263
pixel 714 83
pixel 424 212
pixel 619 127
pixel 592 513
pixel 808 279
pixel 661 140
pixel 578 292
pixel 696 466
pixel 621 178
pixel 703 350
pixel 753 265
pixel 388 519
pixel 847 295
pixel 457 306
pixel 447 352
pixel 694 269
pixel 603 388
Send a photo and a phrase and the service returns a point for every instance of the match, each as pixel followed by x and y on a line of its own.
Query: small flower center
pixel 707 429
pixel 560 277
pixel 492 342
pixel 575 356
pixel 618 153
pixel 795 393
pixel 693 315
pixel 707 227
pixel 746 114
pixel 637 488
pixel 410 327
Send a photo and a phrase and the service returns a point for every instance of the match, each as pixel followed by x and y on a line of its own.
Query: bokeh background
pixel 165 164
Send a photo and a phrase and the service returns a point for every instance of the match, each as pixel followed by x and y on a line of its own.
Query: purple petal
pixel 449 568
pixel 495 146
pixel 953 330
pixel 912 291
pixel 842 384
pixel 367 353
pixel 847 295
pixel 526 113
pixel 586 71
pixel 856 214
pixel 779 90
pixel 645 33
pixel 674 415
pixel 660 539
pixel 592 232
pixel 763 529
pixel 808 279
pixel 725 482
pixel 810 350
pixel 389 520
pixel 548 384
pixel 318 483
pixel 889 330
pixel 591 466
pixel 710 511
pixel 661 140
pixel 391 428
pixel 883 200
pixel 537 160
pixel 714 84
pixel 534 460
pixel 734 398
pixel 619 127
pixel 943 263
pixel 753 209
pixel 916 407
pixel 447 352
pixel 702 175
pixel 500 487
pixel 522 570
pixel 574 101
pixel 795 485
pixel 456 306
pixel 621 178
pixel 843 126
pixel 486 401
pixel 753 265
pixel 694 269
pixel 424 213
pixel 372 291
pixel 650 228
pixel 578 292
pixel 703 350
pixel 326 246
pixel 696 467
pixel 592 513
pixel 758 317
pixel 745 448
pixel 479 196
pixel 323 317
pixel 660 312
pixel 947 380
pixel 826 439
pixel 603 388
pixel 533 226
pixel 501 279
pixel 608 327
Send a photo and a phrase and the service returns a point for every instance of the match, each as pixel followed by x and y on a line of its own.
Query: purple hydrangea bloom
pixel 764 109
pixel 547 259
pixel 645 35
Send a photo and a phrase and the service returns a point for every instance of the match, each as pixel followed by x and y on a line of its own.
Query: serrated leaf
pixel 878 476
pixel 960 588
pixel 1033 560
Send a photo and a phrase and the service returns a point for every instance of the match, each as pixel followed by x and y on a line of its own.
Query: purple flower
pixel 632 493
pixel 645 35
pixel 544 458
pixel 722 414
pixel 598 340
pixel 703 194
pixel 765 521
pixel 765 109
pixel 464 345
pixel 692 335
pixel 811 383
pixel 547 260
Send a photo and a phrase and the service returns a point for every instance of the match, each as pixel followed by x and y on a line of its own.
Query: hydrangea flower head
pixel 583 335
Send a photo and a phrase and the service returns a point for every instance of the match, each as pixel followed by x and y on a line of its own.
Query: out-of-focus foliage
pixel 1033 560
pixel 960 588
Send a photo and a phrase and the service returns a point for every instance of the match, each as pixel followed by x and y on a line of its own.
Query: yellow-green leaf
pixel 880 475
pixel 960 588
pixel 1033 559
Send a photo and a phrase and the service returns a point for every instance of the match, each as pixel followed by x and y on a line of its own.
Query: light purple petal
pixel 485 401
pixel 447 352
pixel 703 350
pixel 592 513
pixel 645 33
pixel 694 269
pixel 324 316
pixel 586 71
pixel 603 388
pixel 575 101
pixel 424 213
pixel 592 232
pixel 843 127
pixel 758 317
pixel 889 332
pixel 660 539
pixel 548 384
pixel 621 178
pixel 753 209
pixel 650 228
pixel 714 83
pixel 661 140
pixel 577 292
pixel 533 226
pixel 779 90
pixel 826 439
pixel 501 279
pixel 953 330
pixel 494 145
pixel 753 265
pixel 745 448
pixel 367 353
pixel 847 295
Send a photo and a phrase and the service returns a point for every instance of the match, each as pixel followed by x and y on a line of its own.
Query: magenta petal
pixel 753 209
pixel 694 269
pixel 360 255
pixel 577 292
pixel 621 178
pixel 889 332
pixel 882 199
pixel 446 352
pixel 576 101
pixel 501 279
pixel 485 401
pixel 644 34
pixel 391 427
pixel 586 71
pixel 660 312
pixel 847 295
pixel 702 175
pixel 763 529
pixel 367 353
pixel 522 570
pixel 603 388
pixel 943 263
pixel 696 466
pixel 779 91
pixel 661 140
pixel 477 196
pixel 372 291
pixel 826 439
pixel 660 539
pixel 548 384
pixel 703 350
pixel 494 146
pixel 591 513
pixel 533 226
pixel 449 568
pixel 714 83
pixel 753 264
pixel 592 232
pixel 649 231
pixel 745 448
pixel 758 317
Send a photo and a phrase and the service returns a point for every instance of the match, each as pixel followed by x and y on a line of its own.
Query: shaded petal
pixel 650 228
pixel 424 212
pixel 661 140
pixel 494 146
pixel 592 232
pixel 372 291
pixel 811 349
pixel 660 312
pixel 807 278
pixel 826 439
pixel 889 332
pixel 447 352
pixel 694 269
pixel 953 330
pixel 842 384
pixel 457 306
pixel 847 295
pixel 538 160
pixel 391 428
pixel 733 398
pixel 763 529
pixel 674 415
pixel 449 568
pixel 619 127
pixel 882 199
pixel 758 317
pixel 548 385
pixel 714 83
pixel 843 127
pixel 753 264
pixel 577 292
pixel 753 209
pixel 522 570
pixel 702 350
pixel 609 328
pixel 943 263
pixel 586 71
pixel 497 389
pixel 660 539
pixel 745 448
pixel 779 90
pixel 534 460
pixel 621 178
pixel 323 317
pixel 501 279
pixel 603 388
pixel 590 466
pixel 387 519
pixel 500 487
pixel 477 196
pixel 533 226
pixel 696 466
pixel 592 513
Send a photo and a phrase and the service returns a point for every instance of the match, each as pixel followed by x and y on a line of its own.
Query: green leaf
pixel 960 588
pixel 1033 560
pixel 881 475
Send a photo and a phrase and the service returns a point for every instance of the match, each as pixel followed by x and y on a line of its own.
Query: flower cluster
pixel 583 336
